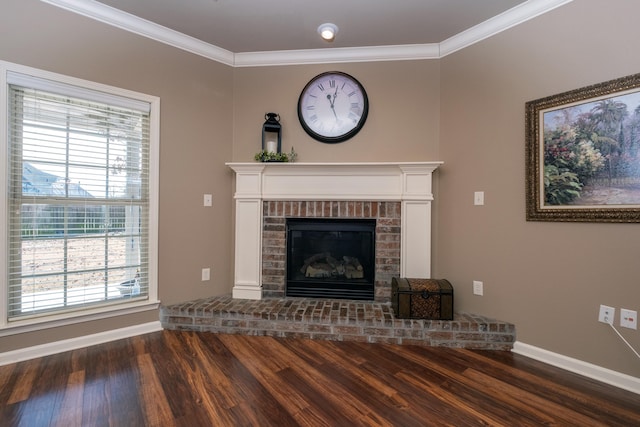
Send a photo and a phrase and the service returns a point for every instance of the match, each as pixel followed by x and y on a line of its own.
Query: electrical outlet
pixel 628 318
pixel 478 198
pixel 206 274
pixel 606 314
pixel 478 288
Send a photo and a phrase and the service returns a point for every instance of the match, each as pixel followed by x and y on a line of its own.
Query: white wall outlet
pixel 606 314
pixel 206 274
pixel 208 200
pixel 478 288
pixel 478 198
pixel 628 318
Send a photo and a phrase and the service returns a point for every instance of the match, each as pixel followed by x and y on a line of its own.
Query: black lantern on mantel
pixel 272 133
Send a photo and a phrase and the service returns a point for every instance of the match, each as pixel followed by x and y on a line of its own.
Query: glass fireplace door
pixel 331 258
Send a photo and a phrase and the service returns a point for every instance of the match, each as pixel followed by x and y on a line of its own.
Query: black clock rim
pixel 345 136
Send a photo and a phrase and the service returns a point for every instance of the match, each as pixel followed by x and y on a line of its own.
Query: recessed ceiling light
pixel 328 31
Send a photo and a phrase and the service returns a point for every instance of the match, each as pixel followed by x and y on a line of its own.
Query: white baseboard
pixel 27 353
pixel 617 379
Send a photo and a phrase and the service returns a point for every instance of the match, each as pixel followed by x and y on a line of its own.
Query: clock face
pixel 333 107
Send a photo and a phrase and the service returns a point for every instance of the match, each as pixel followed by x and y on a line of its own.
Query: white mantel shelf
pixel 407 182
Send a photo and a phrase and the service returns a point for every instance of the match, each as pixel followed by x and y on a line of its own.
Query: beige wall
pixel 547 278
pixel 196 134
pixel 403 116
pixel 466 109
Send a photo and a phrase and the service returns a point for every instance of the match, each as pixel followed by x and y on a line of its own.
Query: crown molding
pixel 125 21
pixel 338 55
pixel 499 23
pixel 117 18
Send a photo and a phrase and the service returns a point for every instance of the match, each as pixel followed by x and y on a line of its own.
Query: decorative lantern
pixel 272 133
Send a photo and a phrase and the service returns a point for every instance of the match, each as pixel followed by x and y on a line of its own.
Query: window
pixel 81 201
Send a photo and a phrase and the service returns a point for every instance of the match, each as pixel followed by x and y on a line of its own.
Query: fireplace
pixel 276 214
pixel 330 258
pixel 396 195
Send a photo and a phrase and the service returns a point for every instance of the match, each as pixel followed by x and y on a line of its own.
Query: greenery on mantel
pixel 268 156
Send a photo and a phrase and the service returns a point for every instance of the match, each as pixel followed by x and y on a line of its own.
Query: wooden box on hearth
pixel 422 298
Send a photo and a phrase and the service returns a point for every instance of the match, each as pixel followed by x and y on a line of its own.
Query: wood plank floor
pixel 181 378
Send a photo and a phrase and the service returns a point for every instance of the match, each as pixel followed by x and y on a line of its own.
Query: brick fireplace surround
pixel 387 256
pixel 397 195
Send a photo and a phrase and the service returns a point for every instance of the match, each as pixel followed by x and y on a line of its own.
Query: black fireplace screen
pixel 331 258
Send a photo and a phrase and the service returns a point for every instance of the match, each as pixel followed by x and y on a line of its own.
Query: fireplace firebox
pixel 330 258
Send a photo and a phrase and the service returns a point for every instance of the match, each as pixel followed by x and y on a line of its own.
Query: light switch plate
pixel 478 288
pixel 478 198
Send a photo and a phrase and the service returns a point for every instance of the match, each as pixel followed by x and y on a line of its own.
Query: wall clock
pixel 333 107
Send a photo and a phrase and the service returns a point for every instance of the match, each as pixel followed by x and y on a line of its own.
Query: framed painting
pixel 583 154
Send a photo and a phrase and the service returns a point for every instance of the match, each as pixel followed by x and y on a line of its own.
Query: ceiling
pixel 268 32
pixel 272 25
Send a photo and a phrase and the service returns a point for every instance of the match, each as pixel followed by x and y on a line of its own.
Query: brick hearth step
pixel 335 320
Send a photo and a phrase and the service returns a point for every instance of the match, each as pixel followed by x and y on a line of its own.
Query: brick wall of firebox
pixel 275 214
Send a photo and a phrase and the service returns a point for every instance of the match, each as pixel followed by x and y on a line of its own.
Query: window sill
pixel 64 319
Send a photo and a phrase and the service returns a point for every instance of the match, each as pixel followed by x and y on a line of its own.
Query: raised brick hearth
pixel 335 320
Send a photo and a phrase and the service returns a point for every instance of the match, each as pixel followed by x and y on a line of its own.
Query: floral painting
pixel 583 154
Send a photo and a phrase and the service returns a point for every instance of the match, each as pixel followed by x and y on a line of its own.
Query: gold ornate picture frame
pixel 583 154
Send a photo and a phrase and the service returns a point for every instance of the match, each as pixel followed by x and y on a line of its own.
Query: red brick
pixel 347 330
pixel 355 338
pixel 335 208
pixel 351 206
pixel 343 209
pixel 380 332
pixel 181 320
pixel 366 209
pixel 438 335
pixel 470 336
pixel 372 208
pixel 357 209
pixel 408 333
pixel 384 340
pixel 326 209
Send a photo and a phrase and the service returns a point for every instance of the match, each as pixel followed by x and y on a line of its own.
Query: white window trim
pixel 26 325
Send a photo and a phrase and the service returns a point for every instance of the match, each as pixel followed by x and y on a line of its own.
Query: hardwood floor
pixel 200 379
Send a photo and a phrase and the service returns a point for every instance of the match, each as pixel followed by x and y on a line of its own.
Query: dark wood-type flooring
pixel 192 379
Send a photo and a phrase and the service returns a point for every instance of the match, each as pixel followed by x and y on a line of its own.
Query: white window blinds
pixel 78 198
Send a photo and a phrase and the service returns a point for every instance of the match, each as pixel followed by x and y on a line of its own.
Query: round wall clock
pixel 333 107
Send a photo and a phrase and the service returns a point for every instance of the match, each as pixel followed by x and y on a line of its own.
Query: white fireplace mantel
pixel 407 182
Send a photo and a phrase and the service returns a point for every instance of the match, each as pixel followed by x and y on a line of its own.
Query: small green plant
pixel 267 156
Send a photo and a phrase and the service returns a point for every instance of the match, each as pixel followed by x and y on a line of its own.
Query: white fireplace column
pixel 407 182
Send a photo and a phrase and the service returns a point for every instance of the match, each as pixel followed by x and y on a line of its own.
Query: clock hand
pixel 333 108
pixel 334 111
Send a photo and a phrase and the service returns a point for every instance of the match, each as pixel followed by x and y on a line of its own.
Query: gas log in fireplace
pixel 330 258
